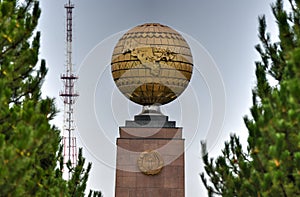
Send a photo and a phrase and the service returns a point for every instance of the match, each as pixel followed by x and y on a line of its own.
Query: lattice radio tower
pixel 69 96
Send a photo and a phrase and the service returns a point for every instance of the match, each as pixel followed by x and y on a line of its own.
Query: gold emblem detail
pixel 150 162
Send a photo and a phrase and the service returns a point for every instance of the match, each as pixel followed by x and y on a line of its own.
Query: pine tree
pixel 30 151
pixel 271 164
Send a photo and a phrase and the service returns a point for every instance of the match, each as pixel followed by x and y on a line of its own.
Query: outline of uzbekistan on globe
pixel 152 65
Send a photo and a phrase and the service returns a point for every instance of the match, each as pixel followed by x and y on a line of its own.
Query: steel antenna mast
pixel 69 95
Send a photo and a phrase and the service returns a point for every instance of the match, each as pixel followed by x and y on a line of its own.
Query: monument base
pixel 150 160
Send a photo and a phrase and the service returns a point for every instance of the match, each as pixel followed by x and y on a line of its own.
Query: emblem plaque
pixel 150 162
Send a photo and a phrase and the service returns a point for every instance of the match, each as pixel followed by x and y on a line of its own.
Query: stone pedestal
pixel 145 144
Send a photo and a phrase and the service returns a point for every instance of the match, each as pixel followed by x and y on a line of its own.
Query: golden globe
pixel 152 64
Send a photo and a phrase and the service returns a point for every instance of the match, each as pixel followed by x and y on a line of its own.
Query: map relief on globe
pixel 152 64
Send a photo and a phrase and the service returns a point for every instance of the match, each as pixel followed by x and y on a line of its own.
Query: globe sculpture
pixel 152 64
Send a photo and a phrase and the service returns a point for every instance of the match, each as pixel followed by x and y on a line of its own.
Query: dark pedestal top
pixel 150 121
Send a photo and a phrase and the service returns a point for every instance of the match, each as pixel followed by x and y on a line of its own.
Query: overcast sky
pixel 222 34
